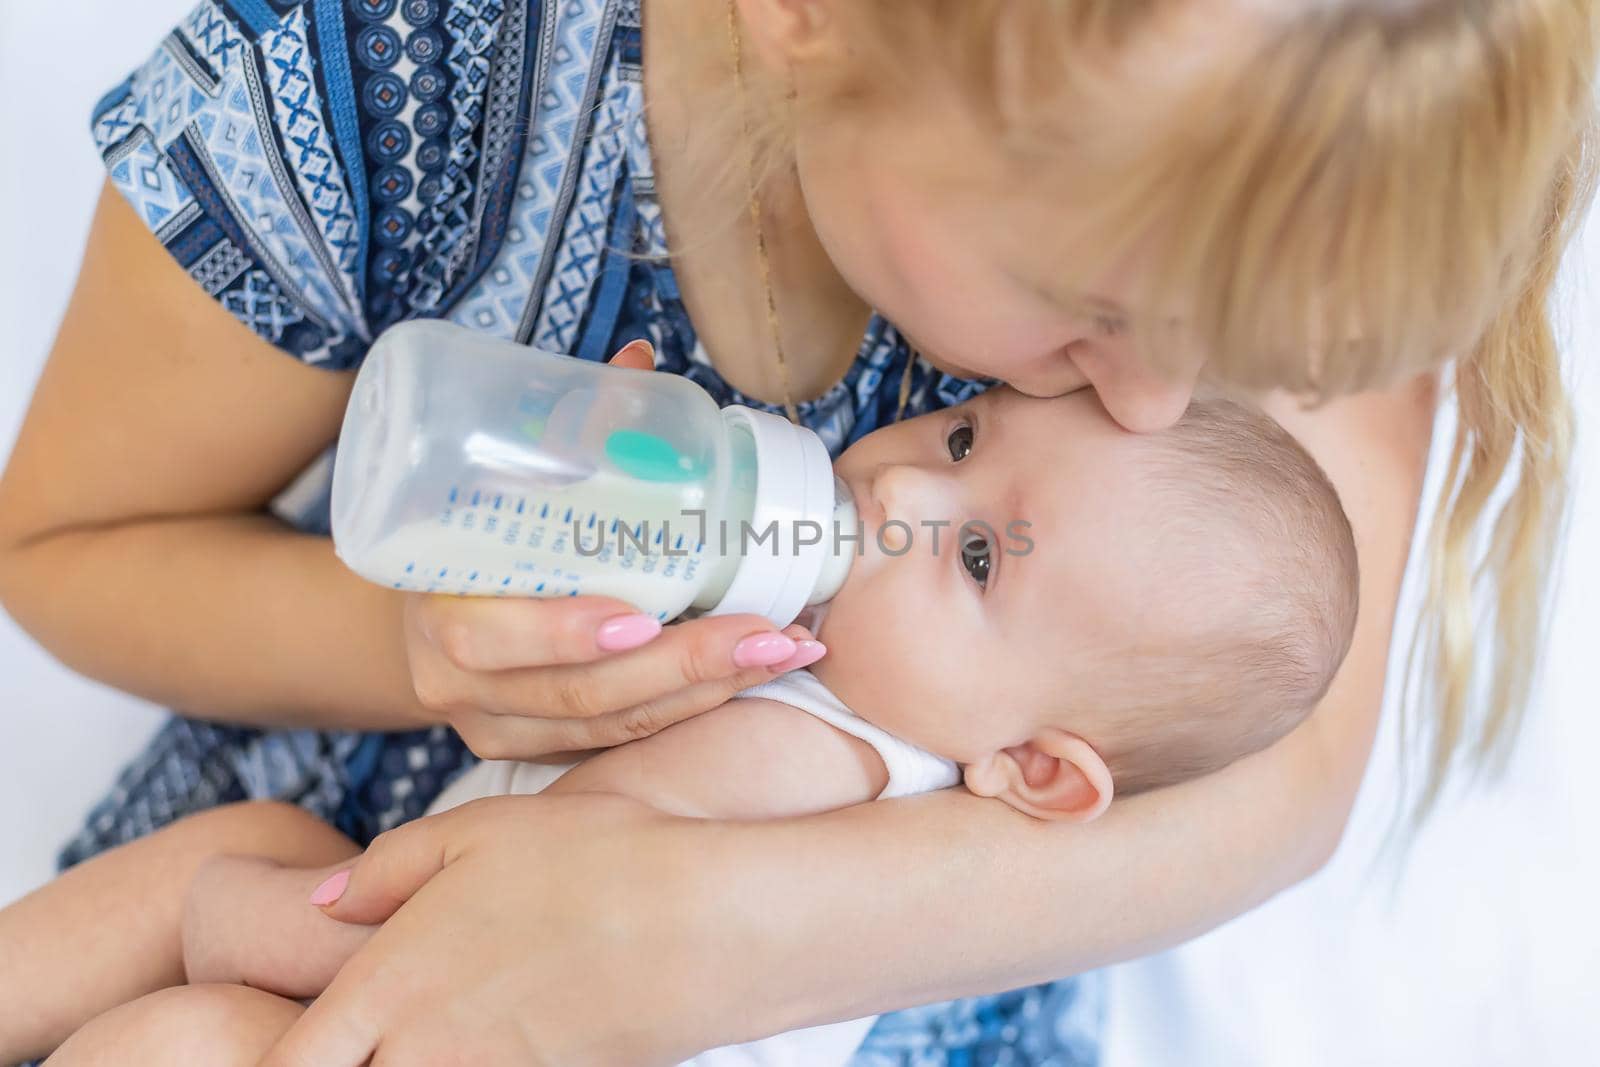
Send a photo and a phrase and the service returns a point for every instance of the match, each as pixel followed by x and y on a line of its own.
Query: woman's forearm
pixel 892 904
pixel 134 539
pixel 236 618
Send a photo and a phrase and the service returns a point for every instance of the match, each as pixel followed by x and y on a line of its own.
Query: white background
pixel 1483 948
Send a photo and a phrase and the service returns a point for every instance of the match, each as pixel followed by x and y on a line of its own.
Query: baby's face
pixel 963 644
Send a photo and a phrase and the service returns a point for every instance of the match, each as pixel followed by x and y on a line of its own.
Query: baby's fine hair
pixel 1263 565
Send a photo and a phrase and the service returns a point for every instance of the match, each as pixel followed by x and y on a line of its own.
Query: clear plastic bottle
pixel 475 466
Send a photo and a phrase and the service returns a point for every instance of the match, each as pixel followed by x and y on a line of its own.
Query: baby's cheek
pixel 864 633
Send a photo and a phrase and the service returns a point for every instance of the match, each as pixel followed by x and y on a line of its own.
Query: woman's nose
pixel 1140 397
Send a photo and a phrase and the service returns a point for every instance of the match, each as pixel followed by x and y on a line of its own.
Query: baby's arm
pixel 748 759
pixel 248 921
pixel 108 931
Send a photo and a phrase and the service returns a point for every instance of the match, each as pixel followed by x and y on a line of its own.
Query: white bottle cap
pixel 795 499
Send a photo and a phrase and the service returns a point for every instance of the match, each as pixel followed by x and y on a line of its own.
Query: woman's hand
pixel 523 678
pixel 553 930
pixel 519 679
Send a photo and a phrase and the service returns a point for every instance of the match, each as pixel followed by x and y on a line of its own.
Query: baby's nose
pixel 913 495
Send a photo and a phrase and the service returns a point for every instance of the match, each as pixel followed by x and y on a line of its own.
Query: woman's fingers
pixel 651 716
pixel 504 633
pixel 508 736
pixel 394 866
pixel 512 677
pixel 726 649
pixel 514 735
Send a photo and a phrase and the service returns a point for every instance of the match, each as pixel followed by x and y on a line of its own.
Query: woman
pixel 1315 197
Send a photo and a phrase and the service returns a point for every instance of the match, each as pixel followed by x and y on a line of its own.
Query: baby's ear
pixel 1057 776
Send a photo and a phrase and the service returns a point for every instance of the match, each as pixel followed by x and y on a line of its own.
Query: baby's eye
pixel 975 557
pixel 959 442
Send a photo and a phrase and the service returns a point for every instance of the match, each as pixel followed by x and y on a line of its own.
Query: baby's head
pixel 1136 608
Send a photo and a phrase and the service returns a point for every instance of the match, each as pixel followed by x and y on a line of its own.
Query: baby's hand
pixel 249 921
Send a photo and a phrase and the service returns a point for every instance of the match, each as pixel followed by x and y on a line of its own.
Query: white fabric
pixel 911 771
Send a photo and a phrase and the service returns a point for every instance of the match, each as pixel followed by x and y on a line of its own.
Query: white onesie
pixel 911 770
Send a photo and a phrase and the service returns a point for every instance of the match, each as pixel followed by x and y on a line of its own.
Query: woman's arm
pixel 659 937
pixel 134 542
pixel 135 547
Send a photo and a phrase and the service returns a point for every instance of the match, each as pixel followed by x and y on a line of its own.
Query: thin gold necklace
pixel 755 213
pixel 736 44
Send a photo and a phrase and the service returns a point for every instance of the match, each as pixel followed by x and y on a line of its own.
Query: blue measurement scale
pixel 565 544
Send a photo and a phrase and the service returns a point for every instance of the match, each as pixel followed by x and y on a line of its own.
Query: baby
pixel 1047 609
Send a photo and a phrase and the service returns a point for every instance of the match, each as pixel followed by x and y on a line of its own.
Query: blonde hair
pixel 1373 188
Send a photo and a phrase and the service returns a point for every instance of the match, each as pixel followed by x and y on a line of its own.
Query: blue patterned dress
pixel 325 168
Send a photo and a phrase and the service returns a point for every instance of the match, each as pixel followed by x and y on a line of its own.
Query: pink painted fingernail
pixel 763 650
pixel 805 654
pixel 622 632
pixel 331 890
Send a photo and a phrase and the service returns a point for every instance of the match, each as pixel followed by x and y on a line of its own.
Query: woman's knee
pixel 216 1025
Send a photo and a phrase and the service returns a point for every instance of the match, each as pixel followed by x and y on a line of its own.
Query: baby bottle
pixel 475 466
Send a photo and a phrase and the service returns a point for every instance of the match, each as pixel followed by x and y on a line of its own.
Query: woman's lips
pixel 939 362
